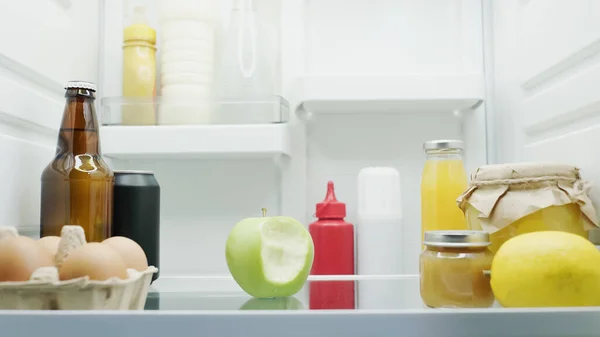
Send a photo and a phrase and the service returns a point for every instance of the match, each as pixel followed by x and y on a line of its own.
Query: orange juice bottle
pixel 444 179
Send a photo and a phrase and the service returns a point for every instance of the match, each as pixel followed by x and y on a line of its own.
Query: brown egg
pixel 130 251
pixel 99 262
pixel 50 243
pixel 20 256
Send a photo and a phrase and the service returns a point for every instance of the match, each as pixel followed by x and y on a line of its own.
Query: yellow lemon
pixel 547 269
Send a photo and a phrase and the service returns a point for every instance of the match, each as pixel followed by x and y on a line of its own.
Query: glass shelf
pixel 395 310
pixel 244 110
pixel 389 292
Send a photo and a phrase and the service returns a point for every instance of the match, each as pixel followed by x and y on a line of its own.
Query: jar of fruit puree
pixel 454 269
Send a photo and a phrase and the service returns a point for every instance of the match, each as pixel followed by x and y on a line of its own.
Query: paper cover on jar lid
pixel 521 189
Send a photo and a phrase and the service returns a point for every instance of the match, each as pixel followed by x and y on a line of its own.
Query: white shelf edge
pixel 195 141
pixel 350 94
pixel 581 322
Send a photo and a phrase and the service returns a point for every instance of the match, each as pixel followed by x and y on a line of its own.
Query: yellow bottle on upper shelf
pixel 139 70
pixel 444 179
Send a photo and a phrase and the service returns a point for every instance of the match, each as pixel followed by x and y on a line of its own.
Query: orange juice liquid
pixel 443 180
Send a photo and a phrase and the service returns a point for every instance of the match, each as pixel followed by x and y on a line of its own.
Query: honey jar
pixel 511 199
pixel 454 269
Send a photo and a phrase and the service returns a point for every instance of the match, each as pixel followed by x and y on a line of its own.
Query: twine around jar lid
pixel 456 238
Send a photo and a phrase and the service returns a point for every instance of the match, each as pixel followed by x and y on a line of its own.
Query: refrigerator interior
pixel 367 83
pixel 355 101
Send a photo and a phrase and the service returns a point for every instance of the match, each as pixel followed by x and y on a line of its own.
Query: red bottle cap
pixel 330 208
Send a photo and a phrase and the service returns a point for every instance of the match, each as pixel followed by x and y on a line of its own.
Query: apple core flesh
pixel 270 256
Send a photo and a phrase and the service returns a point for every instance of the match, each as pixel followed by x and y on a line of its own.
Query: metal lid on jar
pixel 458 238
pixel 594 236
pixel 80 85
pixel 441 144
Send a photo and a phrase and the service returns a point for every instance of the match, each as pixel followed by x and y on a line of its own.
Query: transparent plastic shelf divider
pixel 244 110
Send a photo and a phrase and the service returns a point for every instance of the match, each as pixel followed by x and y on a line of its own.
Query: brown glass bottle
pixel 77 186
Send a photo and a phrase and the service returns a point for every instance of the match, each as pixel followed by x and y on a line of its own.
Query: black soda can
pixel 136 212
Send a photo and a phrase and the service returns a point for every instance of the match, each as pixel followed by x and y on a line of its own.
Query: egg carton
pixel 77 294
pixel 44 290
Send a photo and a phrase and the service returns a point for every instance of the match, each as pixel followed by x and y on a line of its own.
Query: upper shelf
pixel 195 141
pixel 254 128
pixel 387 94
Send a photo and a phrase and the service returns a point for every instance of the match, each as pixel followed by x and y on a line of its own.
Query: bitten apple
pixel 269 256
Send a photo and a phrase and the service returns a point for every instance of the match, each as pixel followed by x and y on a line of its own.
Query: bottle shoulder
pixel 331 222
pixel 78 166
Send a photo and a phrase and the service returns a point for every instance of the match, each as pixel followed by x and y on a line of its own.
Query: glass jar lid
pixel 442 144
pixel 457 238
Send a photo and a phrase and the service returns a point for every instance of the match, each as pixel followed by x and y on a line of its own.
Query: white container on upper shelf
pixel 249 65
pixel 379 236
pixel 187 60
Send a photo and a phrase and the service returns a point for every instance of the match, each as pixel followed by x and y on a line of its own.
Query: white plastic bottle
pixel 379 238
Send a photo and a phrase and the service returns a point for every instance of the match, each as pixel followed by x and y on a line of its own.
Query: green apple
pixel 279 303
pixel 269 256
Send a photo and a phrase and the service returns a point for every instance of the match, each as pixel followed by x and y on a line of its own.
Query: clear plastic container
pixel 453 270
pixel 265 109
pixel 139 67
pixel 249 63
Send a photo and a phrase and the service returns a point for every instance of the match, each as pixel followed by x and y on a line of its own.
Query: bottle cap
pixel 456 238
pixel 139 30
pixel 441 144
pixel 330 208
pixel 379 193
pixel 80 85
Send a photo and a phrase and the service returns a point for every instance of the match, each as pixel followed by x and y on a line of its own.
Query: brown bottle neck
pixel 79 128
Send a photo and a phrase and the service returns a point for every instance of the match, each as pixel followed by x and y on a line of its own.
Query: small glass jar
pixel 454 269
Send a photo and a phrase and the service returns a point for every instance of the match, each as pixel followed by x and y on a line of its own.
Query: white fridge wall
pixel 387 38
pixel 546 70
pixel 380 140
pixel 44 44
pixel 202 200
pixel 391 37
pixel 200 203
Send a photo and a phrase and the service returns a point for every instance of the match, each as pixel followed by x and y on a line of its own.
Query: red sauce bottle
pixel 334 255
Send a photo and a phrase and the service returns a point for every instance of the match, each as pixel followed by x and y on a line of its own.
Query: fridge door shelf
pixel 387 94
pixel 268 109
pixel 195 141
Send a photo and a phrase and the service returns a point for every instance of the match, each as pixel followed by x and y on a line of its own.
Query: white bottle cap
pixel 379 195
